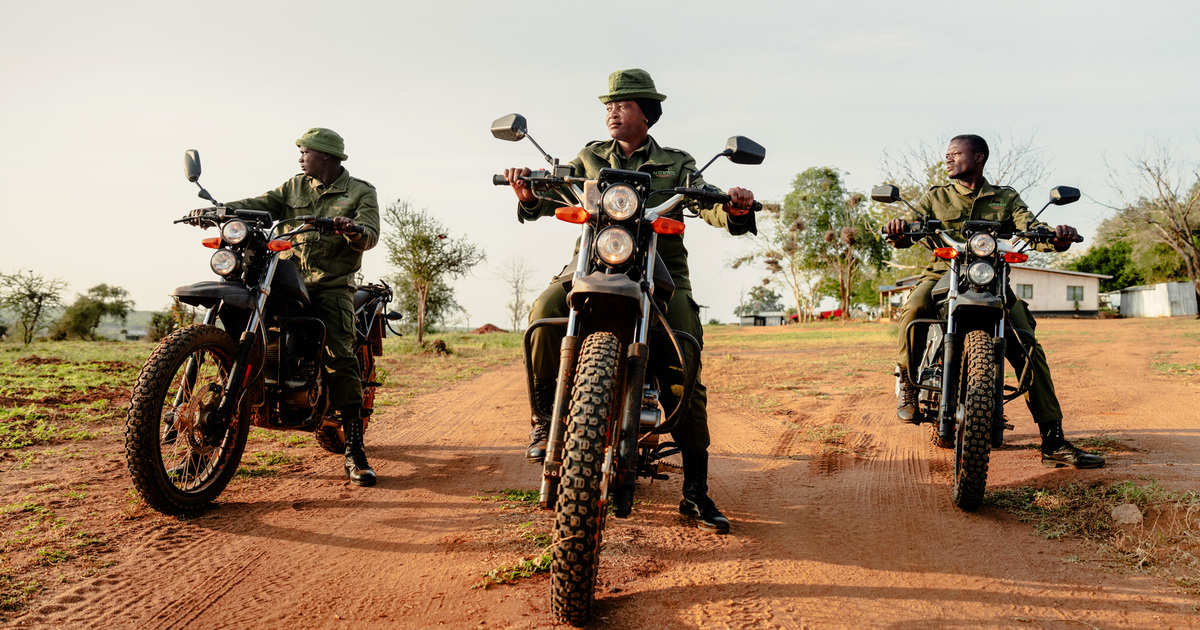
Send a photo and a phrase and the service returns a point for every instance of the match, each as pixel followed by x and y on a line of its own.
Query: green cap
pixel 325 141
pixel 628 85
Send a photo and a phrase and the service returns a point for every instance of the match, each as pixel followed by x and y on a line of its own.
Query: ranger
pixel 970 197
pixel 324 188
pixel 632 106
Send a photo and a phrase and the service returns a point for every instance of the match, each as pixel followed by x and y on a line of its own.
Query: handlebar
pixel 916 229
pixel 706 194
pixel 323 225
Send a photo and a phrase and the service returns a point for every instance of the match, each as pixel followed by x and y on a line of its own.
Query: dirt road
pixel 859 536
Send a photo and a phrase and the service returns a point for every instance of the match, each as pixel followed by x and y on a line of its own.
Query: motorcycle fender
pixel 210 293
pixel 618 285
pixel 977 298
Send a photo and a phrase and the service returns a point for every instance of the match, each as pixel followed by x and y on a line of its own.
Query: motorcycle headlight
pixel 980 272
pixel 224 262
pixel 614 245
pixel 620 201
pixel 982 245
pixel 234 232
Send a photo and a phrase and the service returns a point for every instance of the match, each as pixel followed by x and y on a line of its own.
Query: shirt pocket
pixel 948 213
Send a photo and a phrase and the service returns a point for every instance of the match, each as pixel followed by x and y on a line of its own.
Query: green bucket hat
pixel 325 141
pixel 628 85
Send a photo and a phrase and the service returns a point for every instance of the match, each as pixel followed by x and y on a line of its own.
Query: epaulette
pixel 675 150
pixel 594 143
pixel 363 181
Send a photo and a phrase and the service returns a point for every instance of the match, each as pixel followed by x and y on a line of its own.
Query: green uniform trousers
pixel 1041 399
pixel 335 308
pixel 691 434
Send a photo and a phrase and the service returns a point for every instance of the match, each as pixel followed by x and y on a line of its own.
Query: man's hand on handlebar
pixel 1064 237
pixel 195 217
pixel 521 189
pixel 344 225
pixel 895 228
pixel 740 202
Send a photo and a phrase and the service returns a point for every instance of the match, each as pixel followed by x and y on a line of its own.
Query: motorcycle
pixel 960 370
pixel 202 388
pixel 608 414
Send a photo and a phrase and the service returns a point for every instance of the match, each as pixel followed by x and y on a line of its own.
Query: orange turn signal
pixel 212 243
pixel 663 225
pixel 572 214
pixel 1015 257
pixel 946 253
pixel 279 245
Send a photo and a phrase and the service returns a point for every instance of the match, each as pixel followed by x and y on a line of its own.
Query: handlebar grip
pixel 498 180
pixel 358 229
pixel 756 206
pixel 1078 239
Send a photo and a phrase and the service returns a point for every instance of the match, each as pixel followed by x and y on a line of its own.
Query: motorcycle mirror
pixel 511 128
pixel 191 164
pixel 887 193
pixel 743 150
pixel 1063 195
pixel 394 316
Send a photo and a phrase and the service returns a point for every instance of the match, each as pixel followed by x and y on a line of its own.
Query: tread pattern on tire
pixel 145 410
pixel 974 443
pixel 579 518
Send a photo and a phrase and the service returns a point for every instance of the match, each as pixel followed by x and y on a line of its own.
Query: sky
pixel 98 102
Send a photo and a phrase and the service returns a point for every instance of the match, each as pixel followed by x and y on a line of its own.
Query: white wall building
pixel 1056 291
pixel 1168 299
pixel 1047 291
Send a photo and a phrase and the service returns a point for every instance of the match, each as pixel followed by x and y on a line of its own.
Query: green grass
pixel 407 371
pixel 720 339
pixel 1164 543
pixel 510 574
pixel 510 497
pixel 830 434
pixel 264 464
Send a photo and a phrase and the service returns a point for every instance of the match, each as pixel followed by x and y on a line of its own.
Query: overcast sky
pixel 98 101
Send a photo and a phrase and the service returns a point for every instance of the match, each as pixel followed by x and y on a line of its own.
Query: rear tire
pixel 973 439
pixel 579 512
pixel 178 462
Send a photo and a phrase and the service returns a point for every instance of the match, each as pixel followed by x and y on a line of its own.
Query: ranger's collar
pixel 655 154
pixel 985 190
pixel 338 185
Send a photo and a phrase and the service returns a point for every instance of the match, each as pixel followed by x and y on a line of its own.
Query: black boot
pixel 357 468
pixel 695 504
pixel 539 433
pixel 906 398
pixel 1057 452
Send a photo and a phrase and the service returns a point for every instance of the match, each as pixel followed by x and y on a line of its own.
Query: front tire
pixel 579 512
pixel 179 459
pixel 973 438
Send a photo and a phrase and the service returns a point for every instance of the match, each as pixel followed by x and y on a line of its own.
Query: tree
pixel 838 233
pixel 170 319
pixel 30 297
pixel 778 249
pixel 425 256
pixel 516 273
pixel 439 304
pixel 1158 199
pixel 760 300
pixel 83 316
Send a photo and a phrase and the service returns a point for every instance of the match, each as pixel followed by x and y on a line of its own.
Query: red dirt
pixel 487 328
pixel 866 538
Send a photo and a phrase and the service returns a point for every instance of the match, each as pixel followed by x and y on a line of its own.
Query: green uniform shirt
pixel 668 168
pixel 324 262
pixel 954 203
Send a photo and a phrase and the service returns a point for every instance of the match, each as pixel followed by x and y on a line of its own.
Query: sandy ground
pixel 862 538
